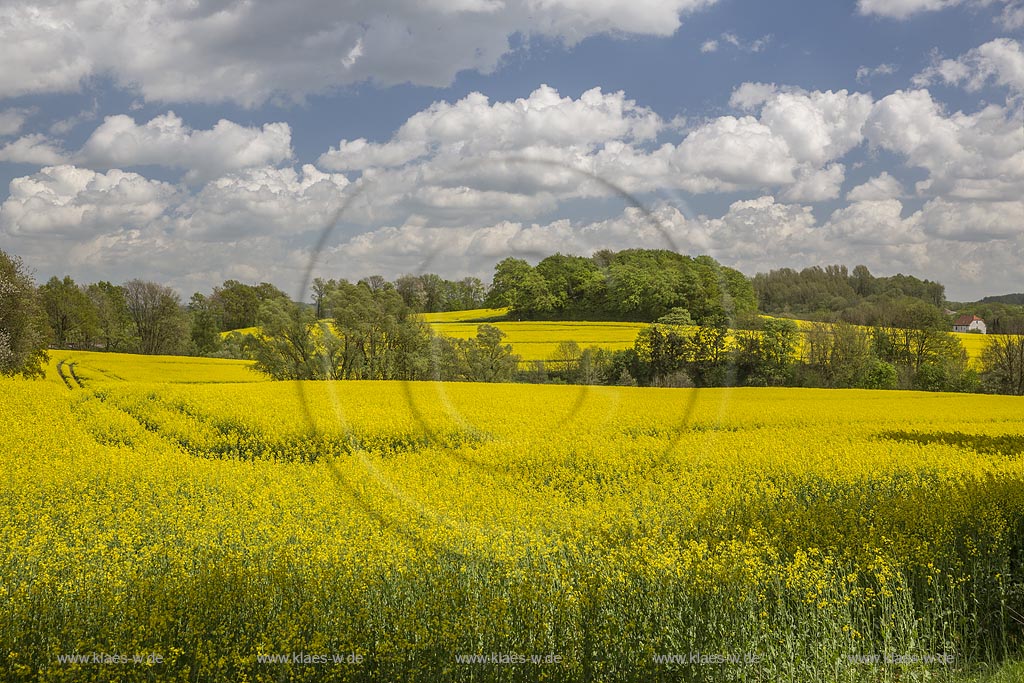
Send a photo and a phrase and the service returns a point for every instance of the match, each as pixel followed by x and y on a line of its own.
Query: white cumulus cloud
pixel 999 62
pixel 166 141
pixel 475 125
pixel 882 186
pixel 967 156
pixel 66 201
pixel 488 159
pixel 32 149
pixel 262 201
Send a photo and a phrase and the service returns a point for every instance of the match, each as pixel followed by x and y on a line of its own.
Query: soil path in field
pixel 60 373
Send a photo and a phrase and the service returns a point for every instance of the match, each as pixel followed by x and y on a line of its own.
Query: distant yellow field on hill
pixel 538 340
pixel 533 340
pixel 470 316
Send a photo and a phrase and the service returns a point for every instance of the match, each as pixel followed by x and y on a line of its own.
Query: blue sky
pixel 190 143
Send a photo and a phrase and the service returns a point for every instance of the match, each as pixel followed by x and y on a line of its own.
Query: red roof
pixel 966 320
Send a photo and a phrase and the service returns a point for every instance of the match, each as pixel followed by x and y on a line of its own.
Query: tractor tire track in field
pixel 60 373
pixel 74 375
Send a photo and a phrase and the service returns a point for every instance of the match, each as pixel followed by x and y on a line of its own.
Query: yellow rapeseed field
pixel 470 316
pixel 403 527
pixel 538 340
pixel 92 367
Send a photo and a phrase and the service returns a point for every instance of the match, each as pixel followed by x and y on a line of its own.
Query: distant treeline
pixel 832 290
pixel 425 293
pixel 1016 299
pixel 873 332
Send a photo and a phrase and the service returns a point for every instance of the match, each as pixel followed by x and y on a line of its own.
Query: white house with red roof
pixel 969 323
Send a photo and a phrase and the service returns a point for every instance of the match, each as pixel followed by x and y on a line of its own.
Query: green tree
pixel 862 281
pixel 641 291
pixel 114 324
pixel 319 289
pixel 948 369
pixel 677 317
pixel 914 333
pixel 236 305
pixel 707 354
pixel 72 317
pixel 482 358
pixel 839 354
pixel 205 330
pixel 469 293
pixel 566 360
pixel 411 289
pixel 522 289
pixel 765 357
pixel 881 375
pixel 660 351
pixel 627 368
pixel 287 348
pixel 23 326
pixel 485 359
pixel 1002 365
pixel 740 292
pixel 576 284
pixel 161 324
pixel 594 366
pixel 379 336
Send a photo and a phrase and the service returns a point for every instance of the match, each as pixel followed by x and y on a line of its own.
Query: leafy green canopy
pixel 631 285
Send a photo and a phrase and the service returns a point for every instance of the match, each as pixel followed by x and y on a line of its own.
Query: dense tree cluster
pixel 138 317
pixel 147 317
pixel 425 293
pixel 826 292
pixel 631 285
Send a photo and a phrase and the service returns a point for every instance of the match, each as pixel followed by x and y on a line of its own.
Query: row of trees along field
pixel 775 352
pixel 369 330
pixel 366 331
pixel 356 331
pixel 145 317
pixel 425 293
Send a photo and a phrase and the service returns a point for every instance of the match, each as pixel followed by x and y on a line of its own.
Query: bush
pixel 881 375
